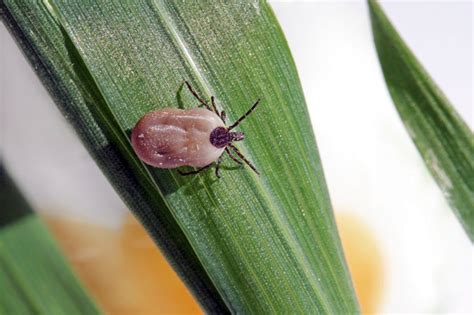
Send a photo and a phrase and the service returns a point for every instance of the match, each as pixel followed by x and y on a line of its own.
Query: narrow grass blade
pixel 441 136
pixel 34 277
pixel 244 243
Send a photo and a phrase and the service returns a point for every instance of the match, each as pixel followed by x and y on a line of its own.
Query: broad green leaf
pixel 243 243
pixel 443 139
pixel 34 276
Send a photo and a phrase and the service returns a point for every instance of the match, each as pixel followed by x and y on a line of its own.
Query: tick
pixel 198 137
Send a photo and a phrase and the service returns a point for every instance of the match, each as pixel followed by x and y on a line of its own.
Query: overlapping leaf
pixel 441 136
pixel 34 277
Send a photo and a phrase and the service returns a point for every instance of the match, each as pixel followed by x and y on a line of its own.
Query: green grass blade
pixel 44 44
pixel 441 136
pixel 255 244
pixel 34 277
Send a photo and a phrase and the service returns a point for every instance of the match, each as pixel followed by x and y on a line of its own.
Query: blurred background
pixel 406 250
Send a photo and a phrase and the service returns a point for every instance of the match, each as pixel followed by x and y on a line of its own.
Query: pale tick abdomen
pixel 172 137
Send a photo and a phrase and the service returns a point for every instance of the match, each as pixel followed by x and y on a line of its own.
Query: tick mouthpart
pixel 237 136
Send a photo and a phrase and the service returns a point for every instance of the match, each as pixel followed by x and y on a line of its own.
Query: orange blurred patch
pixel 123 269
pixel 364 259
pixel 127 275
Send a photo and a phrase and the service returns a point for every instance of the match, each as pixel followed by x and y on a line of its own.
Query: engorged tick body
pixel 171 137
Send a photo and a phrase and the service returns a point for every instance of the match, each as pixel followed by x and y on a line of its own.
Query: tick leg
pixel 194 172
pixel 244 115
pixel 218 168
pixel 232 157
pixel 214 106
pixel 243 158
pixel 190 88
pixel 222 114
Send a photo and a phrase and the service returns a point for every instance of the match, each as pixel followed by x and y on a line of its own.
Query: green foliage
pixel 244 243
pixel 443 139
pixel 34 277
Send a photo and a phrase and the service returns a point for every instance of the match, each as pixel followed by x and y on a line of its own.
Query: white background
pixel 372 168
